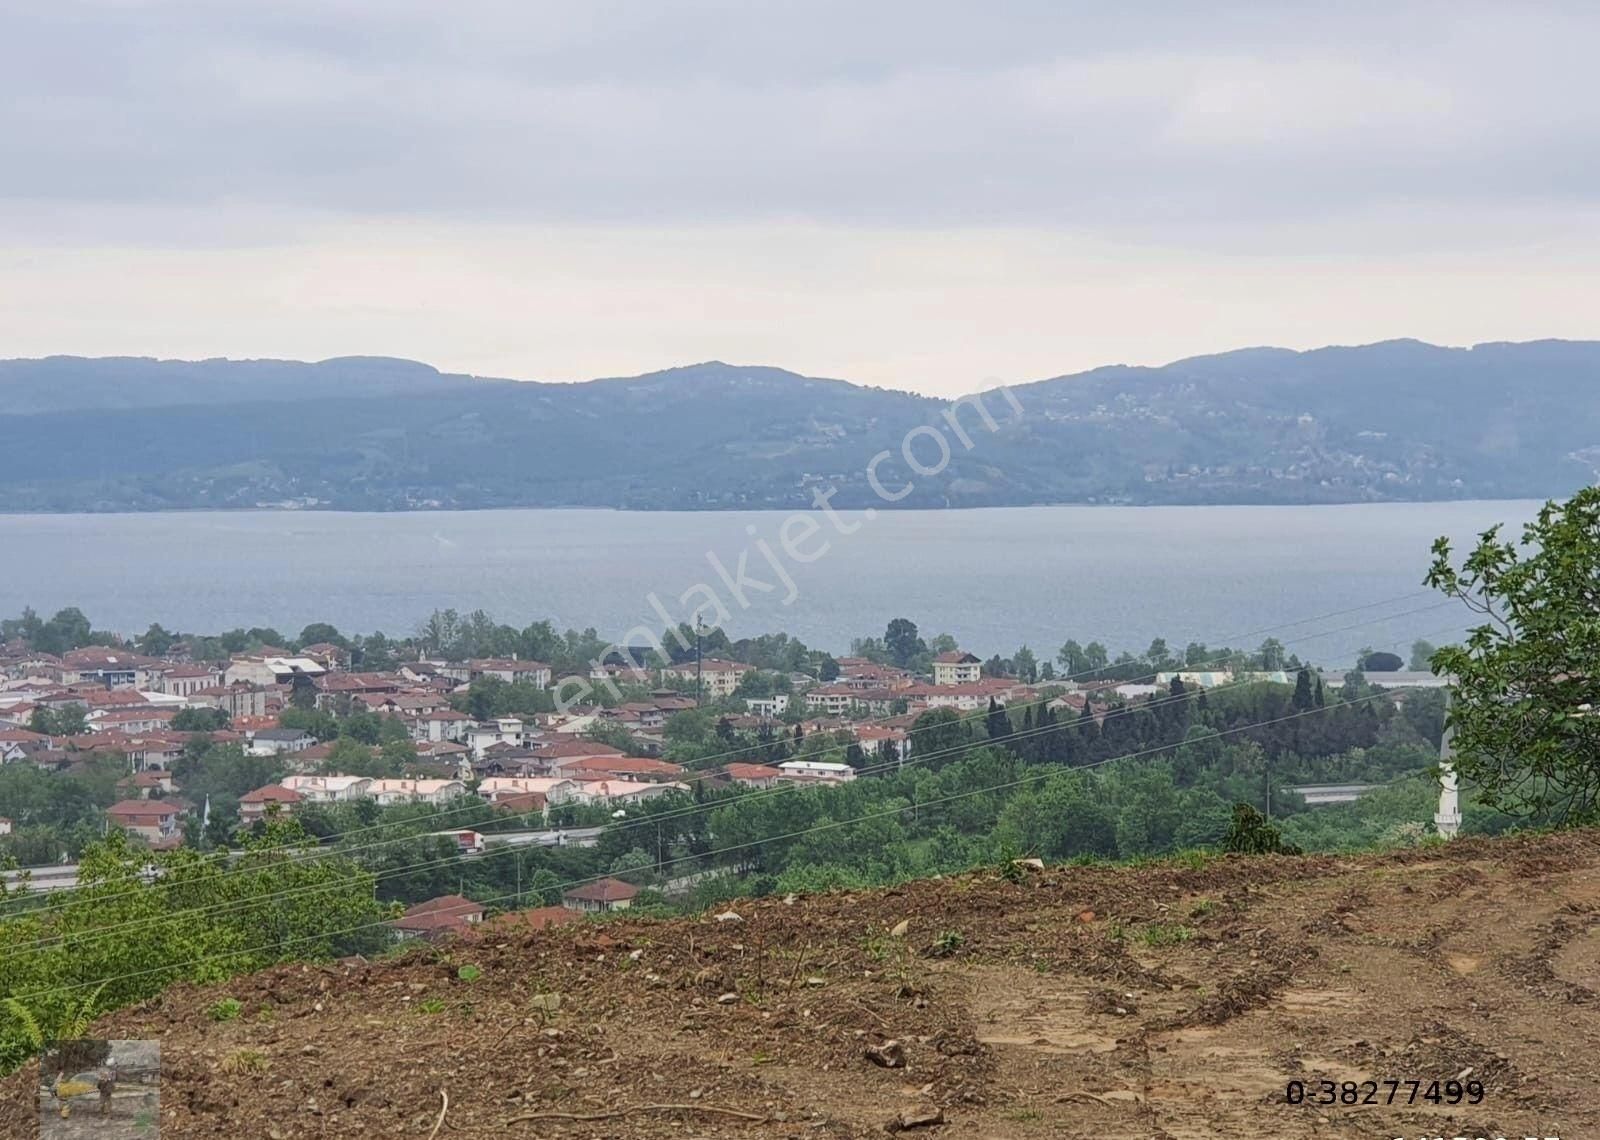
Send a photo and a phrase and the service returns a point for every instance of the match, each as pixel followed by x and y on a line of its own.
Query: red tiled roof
pixel 522 802
pixel 446 904
pixel 141 809
pixel 634 765
pixel 272 793
pixel 579 748
pixel 536 918
pixel 604 890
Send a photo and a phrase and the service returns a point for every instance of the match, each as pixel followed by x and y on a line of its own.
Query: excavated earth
pixel 1170 1001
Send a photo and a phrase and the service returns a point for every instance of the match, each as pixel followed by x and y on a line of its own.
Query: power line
pixel 1037 774
pixel 658 819
pixel 871 769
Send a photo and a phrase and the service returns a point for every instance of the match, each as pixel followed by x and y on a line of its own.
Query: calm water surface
pixel 994 578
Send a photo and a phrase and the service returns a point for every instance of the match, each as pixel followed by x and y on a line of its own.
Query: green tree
pixel 321 633
pixel 1304 697
pixel 199 720
pixel 1421 656
pixel 902 642
pixel 939 732
pixel 156 641
pixel 1527 681
pixel 68 720
pixel 1251 834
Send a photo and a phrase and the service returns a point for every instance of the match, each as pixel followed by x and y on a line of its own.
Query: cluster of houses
pixel 457 914
pixel 125 704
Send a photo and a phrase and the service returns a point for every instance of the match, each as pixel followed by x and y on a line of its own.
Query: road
pixel 64 876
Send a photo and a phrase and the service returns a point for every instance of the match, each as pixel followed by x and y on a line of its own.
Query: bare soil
pixel 1157 1002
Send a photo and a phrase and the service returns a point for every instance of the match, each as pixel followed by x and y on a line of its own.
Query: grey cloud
pixel 1167 118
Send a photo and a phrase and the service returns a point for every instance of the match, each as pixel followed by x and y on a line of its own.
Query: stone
pixel 890 1055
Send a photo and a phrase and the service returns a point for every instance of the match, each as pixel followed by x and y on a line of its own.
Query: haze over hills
pixel 1400 420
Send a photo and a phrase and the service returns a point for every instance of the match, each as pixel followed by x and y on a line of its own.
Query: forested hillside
pixel 1398 420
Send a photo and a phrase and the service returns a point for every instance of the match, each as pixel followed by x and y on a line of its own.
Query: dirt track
pixel 1079 1002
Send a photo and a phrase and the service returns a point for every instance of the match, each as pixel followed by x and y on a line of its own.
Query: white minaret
pixel 1448 818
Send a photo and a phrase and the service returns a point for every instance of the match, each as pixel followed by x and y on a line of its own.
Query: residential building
pixel 717 678
pixel 387 792
pixel 874 738
pixel 257 805
pixel 108 668
pixel 503 730
pixel 438 725
pixel 956 668
pixel 155 821
pixel 639 768
pixel 272 741
pixel 831 700
pixel 769 707
pixel 238 700
pixel 817 770
pixel 448 914
pixel 328 789
pixel 255 670
pixel 753 775
pixel 512 670
pixel 152 783
pixel 554 789
pixel 187 680
pixel 621 791
pixel 531 920
pixel 19 744
pixel 603 895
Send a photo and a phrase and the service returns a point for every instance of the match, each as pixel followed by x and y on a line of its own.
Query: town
pixel 192 748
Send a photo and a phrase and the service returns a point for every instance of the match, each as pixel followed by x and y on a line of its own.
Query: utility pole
pixel 1447 821
pixel 699 693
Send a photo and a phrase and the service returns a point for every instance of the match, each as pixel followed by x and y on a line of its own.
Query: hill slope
pixel 1399 420
pixel 1164 1001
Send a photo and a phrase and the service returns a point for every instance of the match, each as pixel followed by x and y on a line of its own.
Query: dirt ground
pixel 1168 1001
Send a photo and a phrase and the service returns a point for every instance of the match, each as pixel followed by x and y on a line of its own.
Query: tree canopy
pixel 1526 699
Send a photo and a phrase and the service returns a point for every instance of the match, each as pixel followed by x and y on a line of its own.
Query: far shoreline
pixel 771 510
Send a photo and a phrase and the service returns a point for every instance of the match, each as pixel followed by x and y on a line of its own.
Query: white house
pixel 509 669
pixel 328 789
pixel 275 741
pixel 186 680
pixel 622 791
pixel 718 678
pixel 775 705
pixel 833 700
pixel 803 770
pixel 504 730
pixel 388 792
pixel 271 670
pixel 956 668
pixel 554 789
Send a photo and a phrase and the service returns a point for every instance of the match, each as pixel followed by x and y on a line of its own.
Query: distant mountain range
pixel 1400 420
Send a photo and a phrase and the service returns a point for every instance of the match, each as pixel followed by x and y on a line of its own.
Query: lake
pixel 995 578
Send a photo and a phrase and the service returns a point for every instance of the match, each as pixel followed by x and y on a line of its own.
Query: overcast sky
pixel 927 194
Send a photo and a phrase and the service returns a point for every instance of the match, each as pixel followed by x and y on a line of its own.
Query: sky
pixel 929 195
